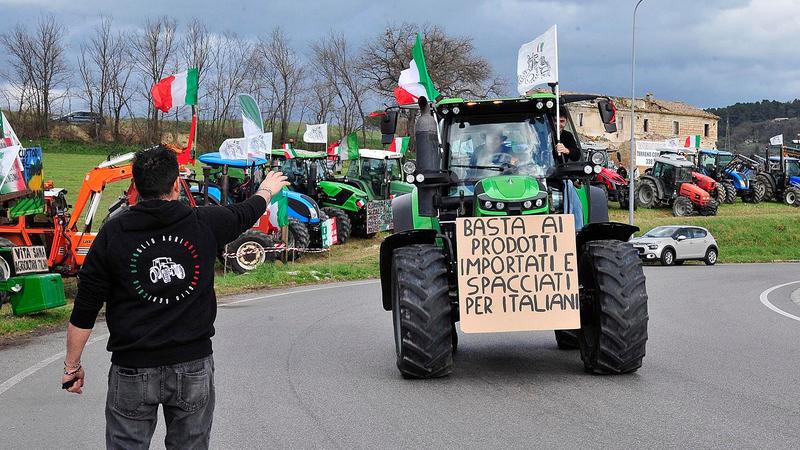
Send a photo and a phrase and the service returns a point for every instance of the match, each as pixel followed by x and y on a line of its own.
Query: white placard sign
pixel 29 259
pixel 647 151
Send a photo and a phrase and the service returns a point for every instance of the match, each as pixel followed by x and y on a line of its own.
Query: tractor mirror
pixel 608 113
pixel 388 127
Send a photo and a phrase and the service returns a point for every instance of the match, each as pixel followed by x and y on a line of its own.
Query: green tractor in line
pixel 458 176
pixel 378 173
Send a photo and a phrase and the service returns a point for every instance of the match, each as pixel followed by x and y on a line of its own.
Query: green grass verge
pixel 745 232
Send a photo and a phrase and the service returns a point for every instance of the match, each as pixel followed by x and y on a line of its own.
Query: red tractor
pixel 671 183
pixel 609 180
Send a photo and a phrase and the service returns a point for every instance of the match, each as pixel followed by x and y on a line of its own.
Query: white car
pixel 674 244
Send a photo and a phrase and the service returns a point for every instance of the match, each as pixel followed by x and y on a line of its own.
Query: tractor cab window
pixel 724 160
pixel 487 146
pixel 708 161
pixel 793 168
pixel 295 171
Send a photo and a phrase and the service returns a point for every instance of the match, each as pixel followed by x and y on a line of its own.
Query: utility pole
pixel 632 172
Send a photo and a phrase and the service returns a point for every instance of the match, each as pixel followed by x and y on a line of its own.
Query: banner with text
pixel 647 151
pixel 517 273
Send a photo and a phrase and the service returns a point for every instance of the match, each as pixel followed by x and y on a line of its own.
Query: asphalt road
pixel 315 368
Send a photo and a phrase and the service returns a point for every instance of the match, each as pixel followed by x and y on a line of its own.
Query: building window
pixel 580 120
pixel 646 125
pixel 706 130
pixel 676 128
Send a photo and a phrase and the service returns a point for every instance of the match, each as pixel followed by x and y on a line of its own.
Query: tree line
pixel 331 79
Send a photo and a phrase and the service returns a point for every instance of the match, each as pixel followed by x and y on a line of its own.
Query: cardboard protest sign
pixel 29 259
pixel 379 216
pixel 517 273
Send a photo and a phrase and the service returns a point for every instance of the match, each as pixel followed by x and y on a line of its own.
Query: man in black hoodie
pixel 153 267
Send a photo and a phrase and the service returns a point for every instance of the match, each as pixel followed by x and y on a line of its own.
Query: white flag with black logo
pixel 537 61
pixel 776 140
pixel 316 134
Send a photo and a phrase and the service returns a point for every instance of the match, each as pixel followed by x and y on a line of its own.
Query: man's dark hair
pixel 154 171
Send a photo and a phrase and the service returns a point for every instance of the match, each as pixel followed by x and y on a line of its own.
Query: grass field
pixel 745 232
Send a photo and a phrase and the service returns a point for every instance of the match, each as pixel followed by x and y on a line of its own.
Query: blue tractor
pixel 780 175
pixel 737 174
pixel 236 180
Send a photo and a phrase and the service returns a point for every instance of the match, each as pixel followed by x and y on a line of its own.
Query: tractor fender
pixel 388 246
pixel 704 181
pixel 402 214
pixel 604 230
pixel 770 179
pixel 598 206
pixel 697 195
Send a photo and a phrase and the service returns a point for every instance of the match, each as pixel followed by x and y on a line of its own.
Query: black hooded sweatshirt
pixel 153 266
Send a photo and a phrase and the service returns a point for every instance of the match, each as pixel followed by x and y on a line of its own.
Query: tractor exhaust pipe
pixel 429 159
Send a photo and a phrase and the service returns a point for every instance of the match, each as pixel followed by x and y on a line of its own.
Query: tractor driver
pixel 567 149
pixel 495 151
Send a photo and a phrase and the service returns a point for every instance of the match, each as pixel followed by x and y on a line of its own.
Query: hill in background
pixel 752 124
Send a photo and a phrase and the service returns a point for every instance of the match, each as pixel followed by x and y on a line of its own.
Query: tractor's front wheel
pixel 720 194
pixel 769 193
pixel 249 251
pixel 791 195
pixel 344 227
pixel 423 328
pixel 757 191
pixel 299 239
pixel 682 207
pixel 613 308
pixel 730 192
pixel 710 209
pixel 567 339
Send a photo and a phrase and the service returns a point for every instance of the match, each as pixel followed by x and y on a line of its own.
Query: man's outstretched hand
pixel 272 184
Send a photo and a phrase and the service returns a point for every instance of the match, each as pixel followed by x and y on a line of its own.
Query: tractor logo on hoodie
pixel 165 269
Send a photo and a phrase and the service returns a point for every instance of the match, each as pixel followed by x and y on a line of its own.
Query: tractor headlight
pixel 410 178
pixel 539 105
pixel 527 204
pixel 487 204
pixel 598 158
pixel 587 170
pixel 445 110
pixel 456 110
pixel 409 167
pixel 549 103
pixel 500 205
pixel 598 169
pixel 539 202
pixel 420 178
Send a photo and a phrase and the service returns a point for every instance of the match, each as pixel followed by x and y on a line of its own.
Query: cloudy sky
pixel 706 52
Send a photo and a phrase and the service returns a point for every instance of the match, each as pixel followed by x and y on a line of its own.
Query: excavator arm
pixel 94 183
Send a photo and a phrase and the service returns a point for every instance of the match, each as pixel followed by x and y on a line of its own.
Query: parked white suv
pixel 674 244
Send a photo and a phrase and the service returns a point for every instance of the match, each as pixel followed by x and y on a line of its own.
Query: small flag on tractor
pixel 776 140
pixel 279 210
pixel 316 134
pixel 176 90
pixel 289 151
pixel 415 82
pixel 399 145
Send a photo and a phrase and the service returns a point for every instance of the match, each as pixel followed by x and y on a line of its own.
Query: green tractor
pixel 378 173
pixel 460 179
pixel 310 174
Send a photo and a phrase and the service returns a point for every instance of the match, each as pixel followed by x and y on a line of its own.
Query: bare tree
pixel 121 92
pixel 39 60
pixel 283 76
pixel 320 100
pixel 154 48
pixel 452 64
pixel 197 46
pixel 228 73
pixel 336 64
pixel 94 65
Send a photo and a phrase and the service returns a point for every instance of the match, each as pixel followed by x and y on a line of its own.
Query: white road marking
pixel 11 382
pixel 281 294
pixel 16 379
pixel 768 304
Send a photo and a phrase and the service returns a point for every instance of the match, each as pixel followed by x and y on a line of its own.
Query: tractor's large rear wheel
pixel 249 251
pixel 730 192
pixel 343 226
pixel 757 191
pixel 613 308
pixel 682 207
pixel 299 239
pixel 647 194
pixel 423 327
pixel 769 193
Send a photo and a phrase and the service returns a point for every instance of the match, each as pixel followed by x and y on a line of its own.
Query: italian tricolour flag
pixel 692 141
pixel 176 90
pixel 415 82
pixel 399 145
pixel 279 209
pixel 288 151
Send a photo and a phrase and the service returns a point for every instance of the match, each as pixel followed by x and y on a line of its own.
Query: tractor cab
pixel 712 162
pixel 378 173
pixel 674 172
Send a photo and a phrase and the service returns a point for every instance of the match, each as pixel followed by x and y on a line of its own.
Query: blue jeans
pixel 185 391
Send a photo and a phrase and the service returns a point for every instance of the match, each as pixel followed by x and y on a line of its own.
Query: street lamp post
pixel 632 171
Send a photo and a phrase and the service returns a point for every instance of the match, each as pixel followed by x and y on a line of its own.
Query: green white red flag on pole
pixel 692 141
pixel 346 148
pixel 252 123
pixel 415 82
pixel 279 209
pixel 289 151
pixel 399 145
pixel 176 90
pixel 7 135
